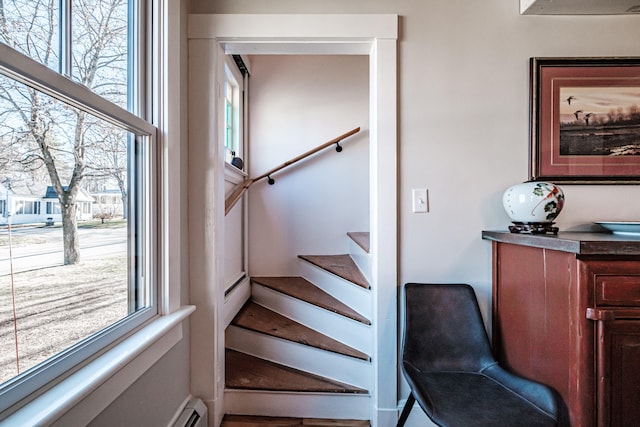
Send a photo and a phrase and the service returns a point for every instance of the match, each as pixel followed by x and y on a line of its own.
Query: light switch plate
pixel 419 200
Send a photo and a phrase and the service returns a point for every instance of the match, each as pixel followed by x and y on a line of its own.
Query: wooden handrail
pixel 238 192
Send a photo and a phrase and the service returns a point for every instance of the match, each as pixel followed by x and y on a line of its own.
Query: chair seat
pixel 480 399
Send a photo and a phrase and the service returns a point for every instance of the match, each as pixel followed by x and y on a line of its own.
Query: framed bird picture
pixel 585 120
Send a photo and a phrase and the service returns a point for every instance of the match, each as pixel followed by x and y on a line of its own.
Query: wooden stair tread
pixel 361 238
pixel 246 372
pixel 302 289
pixel 340 265
pixel 257 318
pixel 254 421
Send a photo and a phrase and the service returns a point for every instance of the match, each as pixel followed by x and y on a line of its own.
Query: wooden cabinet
pixel 566 312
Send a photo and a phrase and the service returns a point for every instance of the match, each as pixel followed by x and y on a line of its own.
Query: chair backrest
pixel 444 329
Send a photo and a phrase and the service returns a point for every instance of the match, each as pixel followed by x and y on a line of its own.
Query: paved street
pixel 37 247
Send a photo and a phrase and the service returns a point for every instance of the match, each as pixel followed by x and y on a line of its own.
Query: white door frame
pixel 212 35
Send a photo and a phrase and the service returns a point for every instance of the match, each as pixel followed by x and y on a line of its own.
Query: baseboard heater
pixel 194 414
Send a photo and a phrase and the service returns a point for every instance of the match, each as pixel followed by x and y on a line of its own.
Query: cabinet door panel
pixel 618 373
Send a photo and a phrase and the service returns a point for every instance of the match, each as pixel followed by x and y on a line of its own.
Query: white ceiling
pixel 579 7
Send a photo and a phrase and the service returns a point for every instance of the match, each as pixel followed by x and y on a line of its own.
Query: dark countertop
pixel 580 243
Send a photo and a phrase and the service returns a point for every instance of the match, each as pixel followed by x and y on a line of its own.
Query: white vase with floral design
pixel 533 202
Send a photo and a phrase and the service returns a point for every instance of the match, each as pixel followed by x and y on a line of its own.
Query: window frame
pixel 22 68
pixel 234 79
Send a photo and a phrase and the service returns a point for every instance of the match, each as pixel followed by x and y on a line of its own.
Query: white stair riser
pixel 361 258
pixel 348 331
pixel 338 367
pixel 356 297
pixel 235 300
pixel 307 405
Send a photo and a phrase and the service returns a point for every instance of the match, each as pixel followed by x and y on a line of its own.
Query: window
pixel 57 137
pixel 27 207
pixel 52 208
pixel 93 51
pixel 233 110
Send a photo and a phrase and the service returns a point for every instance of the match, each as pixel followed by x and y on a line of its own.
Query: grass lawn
pixel 56 307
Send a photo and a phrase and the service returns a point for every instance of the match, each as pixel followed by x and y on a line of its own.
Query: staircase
pixel 301 346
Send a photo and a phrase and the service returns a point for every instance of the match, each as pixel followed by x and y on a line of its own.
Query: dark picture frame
pixel 585 120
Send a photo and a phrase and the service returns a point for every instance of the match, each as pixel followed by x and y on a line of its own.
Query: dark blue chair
pixel 448 364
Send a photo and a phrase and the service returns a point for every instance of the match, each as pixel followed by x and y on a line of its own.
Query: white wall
pixel 297 103
pixel 464 121
pixel 155 398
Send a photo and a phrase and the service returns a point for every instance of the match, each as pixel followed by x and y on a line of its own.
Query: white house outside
pixel 32 209
pixel 108 203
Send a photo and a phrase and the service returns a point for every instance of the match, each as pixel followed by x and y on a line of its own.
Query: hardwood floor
pixel 247 372
pixel 302 289
pixel 250 421
pixel 361 238
pixel 260 319
pixel 340 265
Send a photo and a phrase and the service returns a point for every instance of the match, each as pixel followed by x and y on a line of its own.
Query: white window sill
pixel 233 174
pixel 104 378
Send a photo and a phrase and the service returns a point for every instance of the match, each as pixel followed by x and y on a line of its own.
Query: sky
pixel 596 100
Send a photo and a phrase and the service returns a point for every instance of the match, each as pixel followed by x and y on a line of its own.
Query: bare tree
pixel 109 163
pixel 47 133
